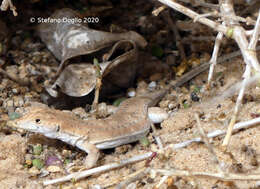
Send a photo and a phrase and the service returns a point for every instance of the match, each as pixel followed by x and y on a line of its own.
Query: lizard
pixel 128 124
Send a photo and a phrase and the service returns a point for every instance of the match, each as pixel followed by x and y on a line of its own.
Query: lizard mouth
pixel 17 125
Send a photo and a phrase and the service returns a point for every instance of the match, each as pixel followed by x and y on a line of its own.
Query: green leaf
pixel 38 163
pixel 185 105
pixel 95 61
pixel 196 89
pixel 144 141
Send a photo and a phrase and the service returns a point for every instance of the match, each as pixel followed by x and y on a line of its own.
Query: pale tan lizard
pixel 128 124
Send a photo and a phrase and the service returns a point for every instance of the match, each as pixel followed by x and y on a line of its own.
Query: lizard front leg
pixel 93 153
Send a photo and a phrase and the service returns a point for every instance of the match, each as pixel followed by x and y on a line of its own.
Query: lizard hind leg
pixel 93 154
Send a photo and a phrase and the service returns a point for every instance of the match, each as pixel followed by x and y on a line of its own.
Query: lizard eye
pixel 37 120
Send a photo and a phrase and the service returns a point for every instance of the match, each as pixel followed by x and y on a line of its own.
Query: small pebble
pixel 18 101
pixel 171 106
pixel 66 153
pixel 15 91
pixel 34 171
pixel 54 169
pixel 102 110
pixel 157 115
pixel 96 186
pixel 152 84
pixel 10 103
pixel 44 173
pixel 131 186
pixel 131 92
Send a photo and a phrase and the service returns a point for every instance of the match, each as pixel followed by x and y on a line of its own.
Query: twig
pixel 238 103
pixel 255 36
pixel 201 3
pixel 157 11
pixel 184 10
pixel 100 169
pixel 220 176
pixel 163 179
pixel 205 15
pixel 209 146
pixel 156 137
pixel 98 86
pixel 172 23
pixel 237 126
pixel 8 3
pixel 236 18
pixel 213 60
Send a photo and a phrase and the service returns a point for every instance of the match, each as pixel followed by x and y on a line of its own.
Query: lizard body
pixel 128 124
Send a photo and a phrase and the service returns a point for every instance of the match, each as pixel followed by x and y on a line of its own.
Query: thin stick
pixel 255 36
pixel 216 133
pixel 238 103
pixel 98 86
pixel 205 15
pixel 8 3
pixel 209 146
pixel 156 137
pixel 213 60
pixel 184 10
pixel 220 176
pixel 172 23
pixel 157 11
pixel 100 169
pixel 163 179
pixel 201 3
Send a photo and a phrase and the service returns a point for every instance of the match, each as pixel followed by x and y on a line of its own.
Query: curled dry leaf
pixel 67 40
pixel 80 79
pixel 77 79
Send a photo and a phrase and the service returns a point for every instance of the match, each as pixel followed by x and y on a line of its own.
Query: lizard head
pixel 36 120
